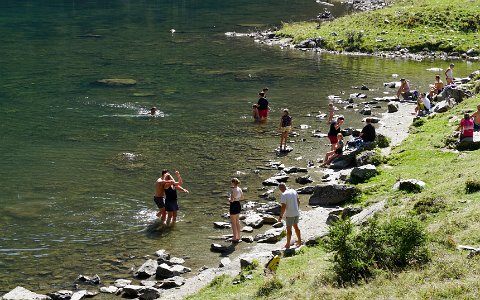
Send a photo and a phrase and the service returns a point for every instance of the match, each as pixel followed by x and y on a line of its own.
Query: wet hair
pixel 235 181
pixel 164 171
pixel 261 94
pixel 254 105
pixel 265 89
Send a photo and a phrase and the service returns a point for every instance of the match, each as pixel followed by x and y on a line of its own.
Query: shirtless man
pixel 404 89
pixel 437 87
pixel 159 197
pixel 476 119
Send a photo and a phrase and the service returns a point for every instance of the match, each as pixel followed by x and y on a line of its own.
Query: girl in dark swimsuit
pixel 171 204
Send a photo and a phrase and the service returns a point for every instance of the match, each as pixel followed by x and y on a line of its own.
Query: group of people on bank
pixel 424 106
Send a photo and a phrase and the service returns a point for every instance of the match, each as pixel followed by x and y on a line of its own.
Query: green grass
pixel 449 207
pixel 418 25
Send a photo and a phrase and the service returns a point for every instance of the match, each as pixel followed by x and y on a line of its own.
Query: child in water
pixel 285 128
pixel 255 115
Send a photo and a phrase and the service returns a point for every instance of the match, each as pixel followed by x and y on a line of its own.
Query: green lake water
pixel 70 203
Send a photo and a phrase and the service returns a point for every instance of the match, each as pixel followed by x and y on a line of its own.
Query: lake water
pixel 70 201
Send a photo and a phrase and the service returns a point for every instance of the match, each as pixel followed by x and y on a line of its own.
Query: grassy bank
pixel 418 25
pixel 449 212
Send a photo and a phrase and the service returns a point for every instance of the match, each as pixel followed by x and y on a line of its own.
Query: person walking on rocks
pixel 285 128
pixel 290 209
pixel 449 74
pixel 235 196
pixel 334 131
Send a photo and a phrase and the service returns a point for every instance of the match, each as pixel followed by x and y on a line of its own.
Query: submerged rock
pixel 116 82
pixel 94 280
pixel 61 295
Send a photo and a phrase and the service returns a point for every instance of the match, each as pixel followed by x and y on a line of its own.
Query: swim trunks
pixel 333 139
pixel 263 113
pixel 159 201
pixel 235 208
pixel 291 220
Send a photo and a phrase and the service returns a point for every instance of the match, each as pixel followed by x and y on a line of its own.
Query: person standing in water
pixel 234 199
pixel 171 199
pixel 285 128
pixel 263 107
pixel 449 74
pixel 159 197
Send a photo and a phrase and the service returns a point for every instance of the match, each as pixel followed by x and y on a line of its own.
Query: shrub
pixel 269 286
pixel 392 245
pixel 418 122
pixel 382 141
pixel 218 281
pixel 472 186
pixel 429 204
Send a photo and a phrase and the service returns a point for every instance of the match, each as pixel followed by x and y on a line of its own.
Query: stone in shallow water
pixel 116 82
pixel 21 293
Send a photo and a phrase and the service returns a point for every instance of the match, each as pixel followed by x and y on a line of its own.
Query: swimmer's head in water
pixel 153 110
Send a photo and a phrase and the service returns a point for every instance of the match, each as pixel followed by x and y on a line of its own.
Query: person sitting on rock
pixel 404 90
pixel 331 155
pixel 423 105
pixel 367 135
pixel 476 119
pixel 436 88
pixel 334 131
pixel 466 128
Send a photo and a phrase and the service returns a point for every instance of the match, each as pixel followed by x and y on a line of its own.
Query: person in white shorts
pixel 289 209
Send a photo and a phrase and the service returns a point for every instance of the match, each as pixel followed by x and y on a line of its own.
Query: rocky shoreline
pixel 270 38
pixel 161 274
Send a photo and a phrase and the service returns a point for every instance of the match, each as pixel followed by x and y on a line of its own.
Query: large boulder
pixel 443 106
pixel 272 208
pixel 142 292
pixel 120 283
pixel 364 158
pixel 270 236
pixel 305 190
pixel 61 295
pixel 173 282
pixel 94 280
pixel 343 161
pixel 392 107
pixel 332 194
pixel 363 173
pixel 304 179
pixel 166 271
pixel 162 254
pixel 148 269
pixel 451 92
pixel 21 293
pixel 254 220
pixel 409 185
